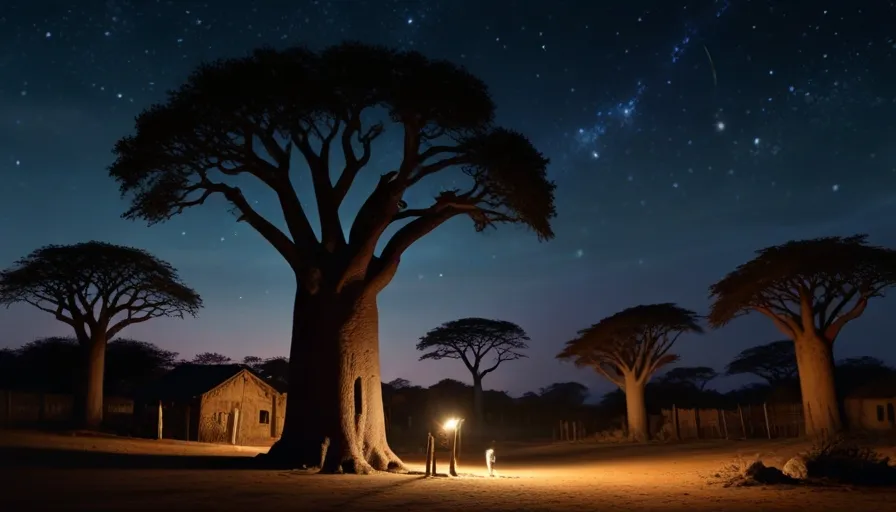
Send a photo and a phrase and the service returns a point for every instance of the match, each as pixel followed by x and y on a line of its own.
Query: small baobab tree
pixel 628 348
pixel 98 289
pixel 481 344
pixel 810 290
pixel 258 121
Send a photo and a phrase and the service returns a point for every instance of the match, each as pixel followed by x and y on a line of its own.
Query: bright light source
pixel 450 424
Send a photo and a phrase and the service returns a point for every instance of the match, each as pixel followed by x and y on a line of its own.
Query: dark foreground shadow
pixel 17 457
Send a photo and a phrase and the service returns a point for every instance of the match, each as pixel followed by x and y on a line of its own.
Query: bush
pixel 841 460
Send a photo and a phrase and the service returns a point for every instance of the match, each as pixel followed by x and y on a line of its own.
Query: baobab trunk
pixel 478 407
pixel 334 410
pixel 90 408
pixel 636 410
pixel 815 362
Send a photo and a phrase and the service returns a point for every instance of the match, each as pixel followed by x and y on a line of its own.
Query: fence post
pixel 160 423
pixel 722 414
pixel 743 424
pixel 429 449
pixel 676 427
pixel 767 425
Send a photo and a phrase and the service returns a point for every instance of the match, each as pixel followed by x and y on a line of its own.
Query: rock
pixel 762 474
pixel 796 468
pixel 754 469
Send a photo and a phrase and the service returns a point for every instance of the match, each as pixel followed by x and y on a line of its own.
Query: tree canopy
pixel 774 362
pixel 97 288
pixel 247 116
pixel 211 358
pixel 564 394
pixel 808 286
pixel 635 341
pixel 694 376
pixel 472 340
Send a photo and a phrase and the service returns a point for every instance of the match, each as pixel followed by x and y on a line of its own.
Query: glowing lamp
pixel 451 424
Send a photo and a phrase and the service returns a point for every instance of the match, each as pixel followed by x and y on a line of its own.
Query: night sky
pixel 683 136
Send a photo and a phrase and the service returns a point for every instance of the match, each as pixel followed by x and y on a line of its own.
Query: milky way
pixel 682 136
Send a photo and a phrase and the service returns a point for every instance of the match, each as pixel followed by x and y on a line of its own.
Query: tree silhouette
pixel 211 358
pixel 98 289
pixel 131 364
pixel 694 376
pixel 853 373
pixel 275 370
pixel 54 365
pixel 774 362
pixel 810 290
pixel 564 394
pixel 628 347
pixel 245 118
pixel 480 343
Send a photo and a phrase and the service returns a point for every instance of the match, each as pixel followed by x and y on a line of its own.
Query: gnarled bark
pixel 815 362
pixel 334 414
pixel 636 409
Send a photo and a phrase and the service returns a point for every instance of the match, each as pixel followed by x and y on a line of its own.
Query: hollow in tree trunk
pixel 334 411
pixel 815 362
pixel 89 409
pixel 636 410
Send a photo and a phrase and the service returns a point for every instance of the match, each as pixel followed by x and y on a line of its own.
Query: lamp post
pixel 454 424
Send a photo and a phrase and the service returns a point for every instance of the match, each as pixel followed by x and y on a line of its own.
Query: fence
pixel 747 421
pixel 21 409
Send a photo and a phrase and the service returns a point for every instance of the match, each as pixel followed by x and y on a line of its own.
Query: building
pixel 872 407
pixel 214 404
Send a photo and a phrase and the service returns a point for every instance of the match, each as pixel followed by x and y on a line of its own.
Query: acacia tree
pixel 475 341
pixel 98 289
pixel 211 358
pixel 628 347
pixel 810 290
pixel 243 120
pixel 774 362
pixel 694 376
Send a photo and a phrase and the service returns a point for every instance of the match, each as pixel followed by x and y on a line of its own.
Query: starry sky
pixel 683 136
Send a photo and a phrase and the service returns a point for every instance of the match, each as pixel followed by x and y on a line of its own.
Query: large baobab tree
pixel 481 344
pixel 242 125
pixel 628 347
pixel 810 290
pixel 98 289
pixel 774 362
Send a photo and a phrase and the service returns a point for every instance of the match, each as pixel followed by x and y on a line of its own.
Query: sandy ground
pixel 55 472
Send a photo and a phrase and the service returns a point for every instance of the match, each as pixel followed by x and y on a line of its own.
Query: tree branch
pixel 837 325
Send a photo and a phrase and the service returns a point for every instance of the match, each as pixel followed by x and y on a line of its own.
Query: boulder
pixel 796 468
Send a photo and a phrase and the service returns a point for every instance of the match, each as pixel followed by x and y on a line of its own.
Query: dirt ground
pixel 56 472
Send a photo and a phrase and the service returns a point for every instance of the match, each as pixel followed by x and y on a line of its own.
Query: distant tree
pixel 98 289
pixel 211 358
pixel 695 376
pixel 774 362
pixel 8 368
pixel 564 394
pixel 131 364
pixel 252 361
pixel 399 383
pixel 244 118
pixel 810 290
pixel 628 347
pixel 275 370
pixel 481 344
pixel 54 365
pixel 854 372
pixel 50 365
